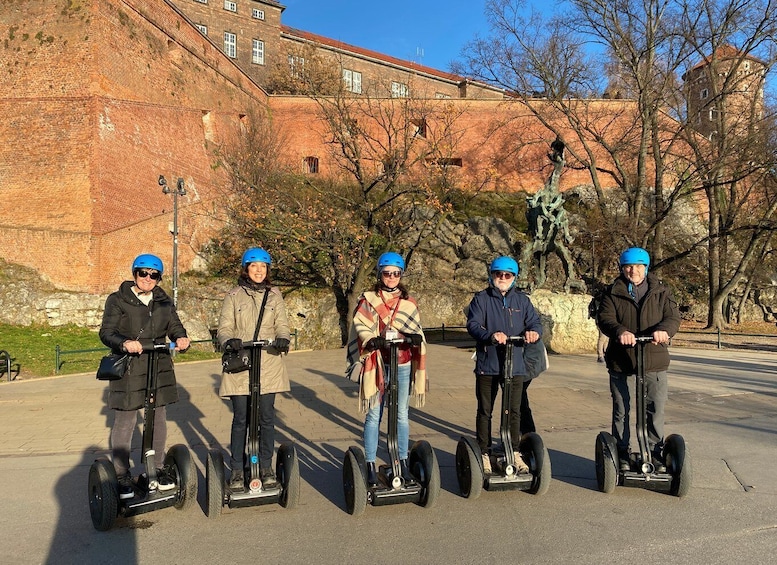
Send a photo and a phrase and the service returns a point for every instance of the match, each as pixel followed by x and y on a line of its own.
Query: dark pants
pixel 622 388
pixel 240 420
pixel 124 422
pixel 520 419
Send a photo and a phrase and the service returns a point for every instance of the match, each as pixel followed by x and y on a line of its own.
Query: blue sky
pixel 398 28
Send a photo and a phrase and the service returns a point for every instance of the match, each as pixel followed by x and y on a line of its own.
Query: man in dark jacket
pixel 638 304
pixel 496 313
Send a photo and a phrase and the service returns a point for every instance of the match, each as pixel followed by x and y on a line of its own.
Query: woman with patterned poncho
pixel 388 306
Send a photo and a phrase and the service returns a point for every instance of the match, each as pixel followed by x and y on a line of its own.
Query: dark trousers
pixel 240 420
pixel 622 389
pixel 124 422
pixel 520 419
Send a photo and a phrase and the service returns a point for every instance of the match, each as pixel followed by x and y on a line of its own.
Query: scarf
pixel 372 313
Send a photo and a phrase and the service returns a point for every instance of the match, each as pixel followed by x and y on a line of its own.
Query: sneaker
pixel 164 480
pixel 268 478
pixel 520 464
pixel 487 464
pixel 236 480
pixel 126 489
pixel 600 359
pixel 405 470
pixel 658 463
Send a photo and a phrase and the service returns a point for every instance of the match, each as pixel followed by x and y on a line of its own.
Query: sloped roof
pixel 723 53
pixel 380 57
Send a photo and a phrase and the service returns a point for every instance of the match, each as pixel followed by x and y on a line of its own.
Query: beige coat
pixel 239 313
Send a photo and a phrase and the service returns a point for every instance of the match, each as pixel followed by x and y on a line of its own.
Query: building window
pixel 257 14
pixel 310 164
pixel 704 93
pixel 449 162
pixel 230 6
pixel 420 127
pixel 352 81
pixel 441 95
pixel 297 66
pixel 202 1
pixel 713 114
pixel 399 90
pixel 257 52
pixel 203 29
pixel 230 44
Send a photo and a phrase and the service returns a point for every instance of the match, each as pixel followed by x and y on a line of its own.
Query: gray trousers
pixel 622 388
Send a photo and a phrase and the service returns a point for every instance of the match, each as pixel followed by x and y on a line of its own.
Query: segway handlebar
pixel 412 339
pixel 516 339
pixel 261 343
pixel 158 347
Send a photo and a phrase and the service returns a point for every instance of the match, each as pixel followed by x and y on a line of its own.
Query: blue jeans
pixel 375 415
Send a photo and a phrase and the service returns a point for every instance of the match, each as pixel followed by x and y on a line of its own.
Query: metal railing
pixel 7 364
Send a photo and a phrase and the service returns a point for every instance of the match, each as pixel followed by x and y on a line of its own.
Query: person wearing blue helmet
pixel 141 313
pixel 494 314
pixel 638 303
pixel 253 303
pixel 387 309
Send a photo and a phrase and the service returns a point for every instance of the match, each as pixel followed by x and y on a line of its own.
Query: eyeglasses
pixel 143 274
pixel 391 274
pixel 502 275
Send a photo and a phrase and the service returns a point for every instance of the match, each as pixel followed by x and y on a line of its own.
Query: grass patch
pixel 34 348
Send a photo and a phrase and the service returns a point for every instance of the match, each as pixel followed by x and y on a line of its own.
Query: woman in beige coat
pixel 237 323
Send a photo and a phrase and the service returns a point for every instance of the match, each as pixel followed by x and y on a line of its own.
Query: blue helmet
pixel 504 264
pixel 256 255
pixel 635 256
pixel 148 261
pixel 391 259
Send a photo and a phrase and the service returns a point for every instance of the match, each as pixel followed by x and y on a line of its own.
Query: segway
pixel 470 471
pixel 253 492
pixel 642 473
pixel 422 488
pixel 104 502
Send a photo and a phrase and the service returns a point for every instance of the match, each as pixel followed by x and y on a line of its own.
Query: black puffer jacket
pixel 619 313
pixel 123 319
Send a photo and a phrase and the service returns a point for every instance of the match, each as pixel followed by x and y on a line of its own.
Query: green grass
pixel 34 348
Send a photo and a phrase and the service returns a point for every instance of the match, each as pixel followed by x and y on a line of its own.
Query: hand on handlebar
pixel 282 344
pixel 498 338
pixel 375 343
pixel 182 344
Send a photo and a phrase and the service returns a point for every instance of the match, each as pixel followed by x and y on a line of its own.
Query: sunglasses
pixel 391 274
pixel 502 275
pixel 143 274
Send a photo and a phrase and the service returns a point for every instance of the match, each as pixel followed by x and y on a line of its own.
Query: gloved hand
pixel 375 343
pixel 282 344
pixel 234 344
pixel 414 339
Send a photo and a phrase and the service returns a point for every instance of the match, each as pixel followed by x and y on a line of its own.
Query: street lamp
pixel 179 190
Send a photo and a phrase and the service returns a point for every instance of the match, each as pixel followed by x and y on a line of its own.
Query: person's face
pixel 390 277
pixel 635 274
pixel 257 271
pixel 503 280
pixel 146 279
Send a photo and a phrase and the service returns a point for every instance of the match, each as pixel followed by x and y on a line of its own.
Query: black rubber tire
pixel 606 465
pixel 354 482
pixel 287 470
pixel 215 483
pixel 423 464
pixel 103 495
pixel 536 456
pixel 678 464
pixel 179 461
pixel 469 470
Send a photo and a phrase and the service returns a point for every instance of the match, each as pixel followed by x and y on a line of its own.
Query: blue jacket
pixel 490 312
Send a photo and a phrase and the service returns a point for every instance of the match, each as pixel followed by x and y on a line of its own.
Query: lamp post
pixel 179 190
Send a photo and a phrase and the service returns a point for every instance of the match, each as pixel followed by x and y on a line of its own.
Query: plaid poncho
pixel 371 316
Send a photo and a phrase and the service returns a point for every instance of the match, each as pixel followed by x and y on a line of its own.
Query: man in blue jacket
pixel 496 313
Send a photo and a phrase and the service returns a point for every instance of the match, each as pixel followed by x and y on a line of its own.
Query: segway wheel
pixel 214 480
pixel 355 481
pixel 287 469
pixel 103 494
pixel 468 469
pixel 538 460
pixel 179 461
pixel 606 465
pixel 678 464
pixel 423 465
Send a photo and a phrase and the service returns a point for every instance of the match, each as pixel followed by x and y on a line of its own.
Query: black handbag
pixel 112 367
pixel 237 361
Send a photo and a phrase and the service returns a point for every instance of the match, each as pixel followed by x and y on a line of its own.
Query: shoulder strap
pixel 261 312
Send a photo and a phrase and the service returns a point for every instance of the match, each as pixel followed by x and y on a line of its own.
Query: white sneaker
pixel 520 464
pixel 487 464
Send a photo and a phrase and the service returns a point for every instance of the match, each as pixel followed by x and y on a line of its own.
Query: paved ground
pixel 723 403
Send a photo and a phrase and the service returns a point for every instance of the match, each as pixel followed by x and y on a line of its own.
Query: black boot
pixel 236 480
pixel 405 470
pixel 372 474
pixel 625 460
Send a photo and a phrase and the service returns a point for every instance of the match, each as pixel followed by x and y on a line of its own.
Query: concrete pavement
pixel 723 403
